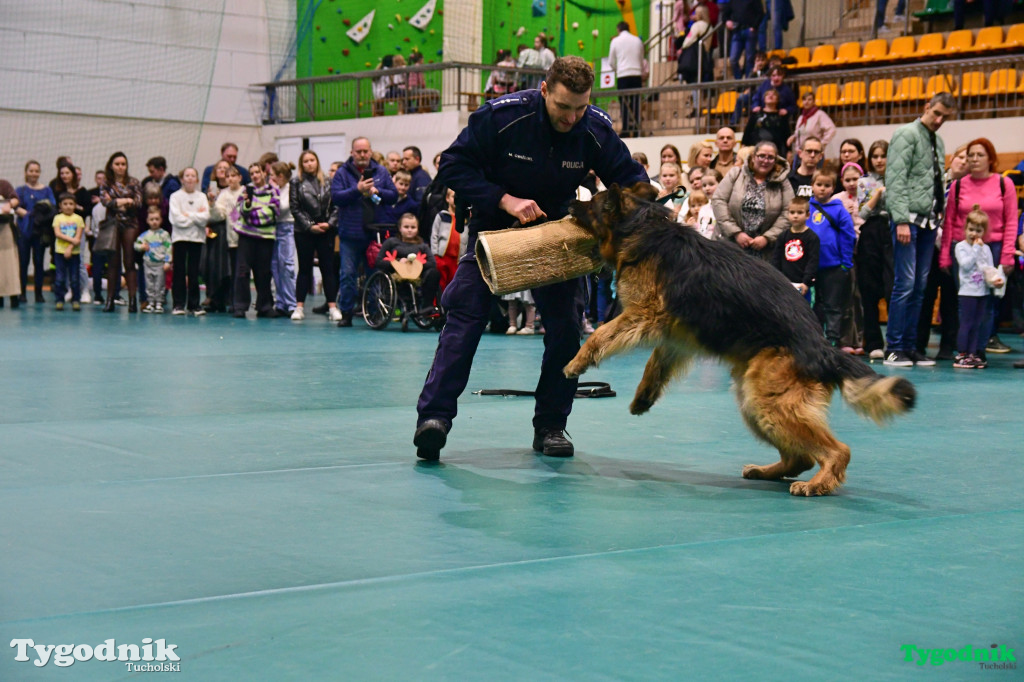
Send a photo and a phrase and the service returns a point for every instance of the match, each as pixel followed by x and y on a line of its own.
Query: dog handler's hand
pixel 903 233
pixel 524 210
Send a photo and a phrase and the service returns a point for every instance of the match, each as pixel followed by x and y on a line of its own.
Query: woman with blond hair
pixel 316 225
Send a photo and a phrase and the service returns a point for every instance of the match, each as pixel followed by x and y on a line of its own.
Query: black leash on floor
pixel 585 389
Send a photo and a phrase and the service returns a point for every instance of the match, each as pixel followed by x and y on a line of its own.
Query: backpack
pixel 42 221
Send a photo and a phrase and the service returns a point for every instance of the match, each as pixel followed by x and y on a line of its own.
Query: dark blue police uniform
pixel 510 146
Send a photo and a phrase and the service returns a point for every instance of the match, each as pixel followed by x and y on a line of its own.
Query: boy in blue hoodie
pixel 832 223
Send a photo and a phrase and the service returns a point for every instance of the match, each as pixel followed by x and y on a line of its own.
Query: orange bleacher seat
pixel 959 41
pixel 804 90
pixel 1015 36
pixel 853 94
pixel 911 88
pixel 881 91
pixel 826 95
pixel 726 103
pixel 1002 81
pixel 973 84
pixel 824 55
pixel 942 83
pixel 901 48
pixel 802 55
pixel 781 54
pixel 930 45
pixel 990 39
pixel 875 50
pixel 848 53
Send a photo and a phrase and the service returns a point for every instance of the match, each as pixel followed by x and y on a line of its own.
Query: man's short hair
pixel 415 152
pixel 224 146
pixel 943 98
pixel 622 26
pixel 572 72
pixel 157 162
pixel 811 138
pixel 780 69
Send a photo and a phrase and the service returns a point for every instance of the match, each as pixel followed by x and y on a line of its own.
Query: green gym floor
pixel 247 491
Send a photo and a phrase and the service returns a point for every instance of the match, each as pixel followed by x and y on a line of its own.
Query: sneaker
pixel 587 327
pixel 552 442
pixel 877 354
pixel 98 300
pixel 920 359
pixel 76 306
pixel 120 301
pixel 298 315
pixel 978 362
pixel 1019 364
pixel 898 358
pixel 334 315
pixel 526 331
pixel 964 362
pixel 158 309
pixel 67 296
pixel 148 309
pixel 178 311
pixel 511 330
pixel 86 298
pixel 60 305
pixel 198 312
pixel 430 437
pixel 994 345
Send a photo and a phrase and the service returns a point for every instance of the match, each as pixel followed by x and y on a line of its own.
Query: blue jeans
pixel 352 252
pixel 901 8
pixel 68 271
pixel 911 263
pixel 283 266
pixel 744 41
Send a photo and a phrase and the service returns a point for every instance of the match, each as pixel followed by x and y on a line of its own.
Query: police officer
pixel 521 158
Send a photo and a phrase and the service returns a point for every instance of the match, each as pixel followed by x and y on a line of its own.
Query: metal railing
pixel 868 96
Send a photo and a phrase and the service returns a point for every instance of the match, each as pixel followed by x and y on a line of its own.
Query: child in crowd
pixel 837 236
pixel 257 205
pixel 972 257
pixel 707 226
pixel 190 214
pixel 152 196
pixel 672 193
pixel 390 214
pixel 797 249
pixel 696 201
pixel 446 244
pixel 407 243
pixel 521 300
pixel 874 248
pixel 68 228
pixel 155 246
pixel 852 324
pixel 284 264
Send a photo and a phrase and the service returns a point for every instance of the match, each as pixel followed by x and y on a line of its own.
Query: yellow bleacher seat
pixel 848 53
pixel 804 90
pixel 1002 81
pixel 973 84
pixel 826 95
pixel 1015 36
pixel 802 55
pixel 990 39
pixel 726 103
pixel 930 45
pixel 910 88
pixel 853 94
pixel 824 55
pixel 942 83
pixel 875 50
pixel 901 48
pixel 959 41
pixel 881 91
pixel 781 54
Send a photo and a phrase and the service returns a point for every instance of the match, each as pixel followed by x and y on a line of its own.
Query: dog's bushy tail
pixel 871 395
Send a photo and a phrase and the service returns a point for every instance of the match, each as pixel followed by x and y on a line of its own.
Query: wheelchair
pixel 394 296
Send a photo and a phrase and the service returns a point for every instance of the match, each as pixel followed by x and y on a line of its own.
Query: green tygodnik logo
pixel 994 657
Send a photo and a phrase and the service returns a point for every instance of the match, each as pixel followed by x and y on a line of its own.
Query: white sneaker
pixel 587 327
pixel 525 331
pixel 86 297
pixel 178 311
pixel 298 315
pixel 511 330
pixel 877 354
pixel 67 296
pixel 334 315
pixel 198 312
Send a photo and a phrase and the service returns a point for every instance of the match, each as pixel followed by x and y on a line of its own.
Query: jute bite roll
pixel 517 259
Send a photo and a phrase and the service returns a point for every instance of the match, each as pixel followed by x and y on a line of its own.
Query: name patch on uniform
pixel 521 157
pixel 572 164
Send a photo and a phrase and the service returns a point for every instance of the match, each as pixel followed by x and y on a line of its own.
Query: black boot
pixel 133 304
pixel 108 307
pixel 430 437
pixel 346 320
pixel 552 442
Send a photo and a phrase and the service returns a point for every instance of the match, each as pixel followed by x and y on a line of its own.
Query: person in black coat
pixel 316 226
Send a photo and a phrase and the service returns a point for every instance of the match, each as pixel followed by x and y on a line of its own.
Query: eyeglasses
pixel 764 157
pixel 813 152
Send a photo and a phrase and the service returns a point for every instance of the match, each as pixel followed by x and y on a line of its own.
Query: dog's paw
pixel 806 489
pixel 639 406
pixel 574 369
pixel 752 471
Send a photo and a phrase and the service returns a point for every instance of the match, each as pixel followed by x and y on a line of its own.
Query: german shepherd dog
pixel 686 295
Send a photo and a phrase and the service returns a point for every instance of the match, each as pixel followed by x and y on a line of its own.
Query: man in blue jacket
pixel 359 185
pixel 521 158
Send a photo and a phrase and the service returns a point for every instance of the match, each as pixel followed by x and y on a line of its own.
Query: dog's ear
pixel 612 203
pixel 644 190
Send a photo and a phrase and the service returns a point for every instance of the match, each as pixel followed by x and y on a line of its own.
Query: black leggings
pixel 125 245
pixel 186 266
pixel 308 244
